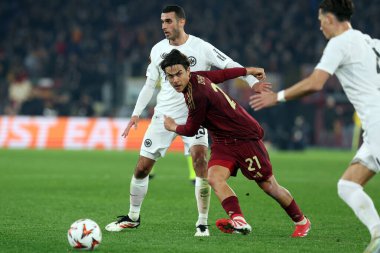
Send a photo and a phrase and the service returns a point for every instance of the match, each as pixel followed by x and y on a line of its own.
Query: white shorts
pixel 369 152
pixel 157 139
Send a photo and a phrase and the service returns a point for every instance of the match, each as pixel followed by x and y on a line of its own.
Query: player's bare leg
pixel 144 167
pixel 285 199
pixel 217 176
pixel 199 156
pixel 138 190
pixel 350 189
pixel 202 188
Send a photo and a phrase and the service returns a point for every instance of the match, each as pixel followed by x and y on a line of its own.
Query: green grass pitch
pixel 43 192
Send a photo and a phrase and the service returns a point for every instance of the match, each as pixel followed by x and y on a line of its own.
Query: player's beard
pixel 174 35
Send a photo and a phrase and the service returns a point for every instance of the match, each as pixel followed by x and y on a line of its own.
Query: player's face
pixel 170 25
pixel 178 76
pixel 325 24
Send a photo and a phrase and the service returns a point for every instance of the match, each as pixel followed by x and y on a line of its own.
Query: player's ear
pixel 330 18
pixel 182 22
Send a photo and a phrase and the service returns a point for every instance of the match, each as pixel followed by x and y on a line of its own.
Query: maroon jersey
pixel 213 109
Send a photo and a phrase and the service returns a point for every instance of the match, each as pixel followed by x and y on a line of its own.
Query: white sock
pixel 138 190
pixel 302 222
pixel 202 194
pixel 353 194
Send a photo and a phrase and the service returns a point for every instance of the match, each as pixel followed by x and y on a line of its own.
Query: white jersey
pixel 355 59
pixel 202 56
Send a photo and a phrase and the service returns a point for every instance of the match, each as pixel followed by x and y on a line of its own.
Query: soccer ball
pixel 84 234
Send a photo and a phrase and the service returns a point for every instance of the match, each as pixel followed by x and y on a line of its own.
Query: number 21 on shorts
pixel 254 164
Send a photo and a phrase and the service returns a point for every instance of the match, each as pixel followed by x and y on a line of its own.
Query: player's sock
pixel 191 168
pixel 301 222
pixel 362 205
pixel 375 231
pixel 138 190
pixel 294 212
pixel 232 207
pixel 202 194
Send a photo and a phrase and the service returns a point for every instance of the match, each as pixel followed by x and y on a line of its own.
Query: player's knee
pixel 200 163
pixel 143 168
pixel 215 182
pixel 199 156
pixel 347 188
pixel 141 172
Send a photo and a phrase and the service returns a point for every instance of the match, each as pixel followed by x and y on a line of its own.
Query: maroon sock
pixel 232 207
pixel 294 211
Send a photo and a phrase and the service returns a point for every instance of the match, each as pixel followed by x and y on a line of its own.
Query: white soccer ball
pixel 84 234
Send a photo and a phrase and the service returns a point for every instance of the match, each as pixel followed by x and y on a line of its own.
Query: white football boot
pixel 202 230
pixel 123 222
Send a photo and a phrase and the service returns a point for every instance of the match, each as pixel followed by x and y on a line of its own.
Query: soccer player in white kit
pixel 157 139
pixel 354 58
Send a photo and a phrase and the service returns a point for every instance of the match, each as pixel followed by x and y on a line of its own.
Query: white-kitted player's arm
pixel 143 99
pixel 309 85
pixel 220 60
pixel 376 50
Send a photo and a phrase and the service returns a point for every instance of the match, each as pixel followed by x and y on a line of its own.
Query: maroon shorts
pixel 250 156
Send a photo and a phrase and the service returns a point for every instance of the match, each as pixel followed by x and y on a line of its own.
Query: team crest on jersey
pixel 163 55
pixel 192 61
pixel 201 79
pixel 147 143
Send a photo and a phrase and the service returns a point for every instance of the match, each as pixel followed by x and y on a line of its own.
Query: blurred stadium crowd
pixel 63 57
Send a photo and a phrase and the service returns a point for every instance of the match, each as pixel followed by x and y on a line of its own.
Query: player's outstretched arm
pixel 221 61
pixel 132 122
pixel 249 78
pixel 263 100
pixel 262 87
pixel 311 84
pixel 259 73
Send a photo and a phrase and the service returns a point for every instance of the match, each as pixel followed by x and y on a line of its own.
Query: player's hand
pixel 259 73
pixel 262 100
pixel 262 87
pixel 169 124
pixel 132 122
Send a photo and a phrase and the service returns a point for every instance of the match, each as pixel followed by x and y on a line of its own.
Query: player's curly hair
pixel 179 11
pixel 342 9
pixel 173 58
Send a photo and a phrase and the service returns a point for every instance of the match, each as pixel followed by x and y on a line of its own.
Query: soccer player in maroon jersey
pixel 236 140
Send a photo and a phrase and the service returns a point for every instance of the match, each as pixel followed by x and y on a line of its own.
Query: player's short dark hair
pixel 173 58
pixel 342 9
pixel 178 10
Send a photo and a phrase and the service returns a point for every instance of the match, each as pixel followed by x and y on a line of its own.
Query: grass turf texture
pixel 43 192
